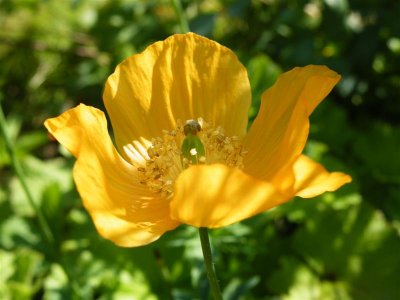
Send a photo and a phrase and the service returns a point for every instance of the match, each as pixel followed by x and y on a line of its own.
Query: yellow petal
pixel 279 133
pixel 216 195
pixel 184 77
pixel 312 179
pixel 122 209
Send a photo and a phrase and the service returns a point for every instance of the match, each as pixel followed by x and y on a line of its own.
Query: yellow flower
pixel 145 186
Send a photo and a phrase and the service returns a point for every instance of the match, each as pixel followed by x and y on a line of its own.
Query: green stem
pixel 183 23
pixel 20 174
pixel 212 277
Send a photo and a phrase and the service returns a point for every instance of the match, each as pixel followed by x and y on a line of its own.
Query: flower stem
pixel 212 277
pixel 183 23
pixel 18 171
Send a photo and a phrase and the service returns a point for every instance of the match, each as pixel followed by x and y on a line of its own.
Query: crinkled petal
pixel 184 77
pixel 122 209
pixel 279 132
pixel 312 179
pixel 216 195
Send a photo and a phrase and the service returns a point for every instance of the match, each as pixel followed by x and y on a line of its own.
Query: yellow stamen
pixel 166 161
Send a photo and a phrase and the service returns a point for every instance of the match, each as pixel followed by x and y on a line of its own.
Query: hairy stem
pixel 212 277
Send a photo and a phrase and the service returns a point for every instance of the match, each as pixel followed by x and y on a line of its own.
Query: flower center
pixel 196 142
pixel 192 150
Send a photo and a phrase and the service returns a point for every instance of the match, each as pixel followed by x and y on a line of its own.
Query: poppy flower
pixel 182 154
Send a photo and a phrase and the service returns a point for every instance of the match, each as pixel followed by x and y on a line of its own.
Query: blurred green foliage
pixel 55 54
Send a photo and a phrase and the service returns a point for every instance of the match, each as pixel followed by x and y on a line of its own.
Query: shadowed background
pixel 344 245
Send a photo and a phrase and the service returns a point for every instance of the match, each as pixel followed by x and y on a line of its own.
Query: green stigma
pixel 192 147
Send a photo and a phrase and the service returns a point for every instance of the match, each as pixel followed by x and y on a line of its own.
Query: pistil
pixel 193 151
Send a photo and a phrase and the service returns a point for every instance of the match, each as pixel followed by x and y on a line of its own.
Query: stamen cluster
pixel 165 160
